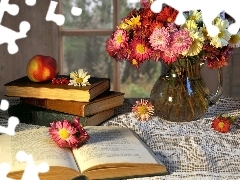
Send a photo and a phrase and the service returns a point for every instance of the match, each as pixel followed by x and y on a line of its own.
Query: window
pixel 83 45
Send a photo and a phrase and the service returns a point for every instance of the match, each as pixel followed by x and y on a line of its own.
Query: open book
pixel 111 152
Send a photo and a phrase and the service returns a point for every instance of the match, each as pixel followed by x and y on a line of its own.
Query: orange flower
pixel 221 124
pixel 168 14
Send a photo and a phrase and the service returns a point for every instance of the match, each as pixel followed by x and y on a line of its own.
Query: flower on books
pixel 68 133
pixel 145 36
pixel 143 110
pixel 222 123
pixel 79 78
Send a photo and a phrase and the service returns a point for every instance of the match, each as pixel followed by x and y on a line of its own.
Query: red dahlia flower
pixel 221 124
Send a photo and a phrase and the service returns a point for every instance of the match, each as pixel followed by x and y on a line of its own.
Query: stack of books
pixel 44 102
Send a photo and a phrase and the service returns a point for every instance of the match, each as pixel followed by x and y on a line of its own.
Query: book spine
pixel 40 116
pixel 74 108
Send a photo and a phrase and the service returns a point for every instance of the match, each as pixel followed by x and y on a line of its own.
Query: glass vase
pixel 180 94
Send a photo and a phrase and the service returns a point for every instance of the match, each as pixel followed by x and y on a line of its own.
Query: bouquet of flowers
pixel 180 94
pixel 144 35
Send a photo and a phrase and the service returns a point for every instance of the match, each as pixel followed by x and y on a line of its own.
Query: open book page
pixel 38 143
pixel 111 145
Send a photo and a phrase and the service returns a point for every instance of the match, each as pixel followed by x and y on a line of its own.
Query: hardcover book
pixel 40 116
pixel 110 153
pixel 24 87
pixel 106 100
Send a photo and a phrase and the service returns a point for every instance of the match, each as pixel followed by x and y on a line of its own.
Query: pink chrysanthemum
pixel 120 38
pixel 172 27
pixel 181 41
pixel 140 50
pixel 143 110
pixel 68 134
pixel 110 47
pixel 160 38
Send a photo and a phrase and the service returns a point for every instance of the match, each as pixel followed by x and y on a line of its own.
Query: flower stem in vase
pixel 179 95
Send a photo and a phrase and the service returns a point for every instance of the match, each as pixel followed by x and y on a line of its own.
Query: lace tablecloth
pixel 190 151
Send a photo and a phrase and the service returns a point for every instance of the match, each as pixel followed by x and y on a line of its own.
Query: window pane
pixel 127 6
pixel 88 53
pixel 138 83
pixel 96 14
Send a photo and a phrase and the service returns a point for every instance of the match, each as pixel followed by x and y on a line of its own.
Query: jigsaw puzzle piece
pixel 59 19
pixel 4 170
pixel 76 11
pixel 31 171
pixel 181 6
pixel 12 9
pixel 12 124
pixel 9 36
pixel 234 13
pixel 30 2
pixel 208 13
pixel 4 105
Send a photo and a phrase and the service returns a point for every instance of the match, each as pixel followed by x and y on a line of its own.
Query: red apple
pixel 41 68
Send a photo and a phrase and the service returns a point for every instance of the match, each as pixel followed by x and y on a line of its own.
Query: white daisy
pixel 223 36
pixel 79 78
pixel 221 39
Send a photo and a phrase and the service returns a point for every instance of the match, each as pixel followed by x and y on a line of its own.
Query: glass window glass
pixel 88 53
pixel 127 6
pixel 138 83
pixel 96 14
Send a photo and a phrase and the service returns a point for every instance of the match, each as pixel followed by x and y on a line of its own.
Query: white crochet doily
pixel 191 150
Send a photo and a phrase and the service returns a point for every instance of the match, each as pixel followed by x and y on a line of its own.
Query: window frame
pixel 63 32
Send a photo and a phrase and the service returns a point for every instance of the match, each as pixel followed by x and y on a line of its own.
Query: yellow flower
pixel 124 26
pixel 221 23
pixel 195 16
pixel 128 24
pixel 234 41
pixel 190 24
pixel 134 21
pixel 197 44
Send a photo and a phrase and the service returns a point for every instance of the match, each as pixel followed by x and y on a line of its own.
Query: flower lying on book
pixel 143 110
pixel 223 122
pixel 68 133
pixel 79 78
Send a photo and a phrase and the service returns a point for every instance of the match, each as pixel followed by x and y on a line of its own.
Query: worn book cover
pixel 40 116
pixel 110 153
pixel 106 100
pixel 24 87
